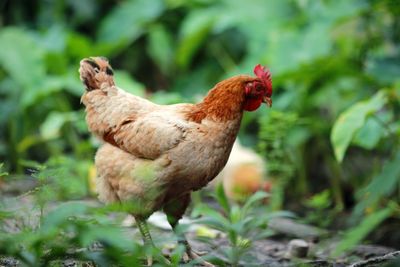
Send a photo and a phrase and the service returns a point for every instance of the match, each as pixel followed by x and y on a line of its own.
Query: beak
pixel 267 100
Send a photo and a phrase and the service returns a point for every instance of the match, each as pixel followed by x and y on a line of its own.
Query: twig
pixel 377 260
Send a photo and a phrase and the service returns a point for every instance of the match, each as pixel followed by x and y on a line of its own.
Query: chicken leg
pixel 174 211
pixel 148 241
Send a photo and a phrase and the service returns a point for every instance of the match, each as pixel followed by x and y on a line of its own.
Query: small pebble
pixel 297 248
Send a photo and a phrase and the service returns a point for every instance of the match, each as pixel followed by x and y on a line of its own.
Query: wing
pixel 150 135
pixel 106 109
pixel 129 122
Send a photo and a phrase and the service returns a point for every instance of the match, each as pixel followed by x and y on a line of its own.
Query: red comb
pixel 265 75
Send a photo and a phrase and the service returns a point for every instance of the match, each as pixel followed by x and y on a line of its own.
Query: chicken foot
pixel 191 254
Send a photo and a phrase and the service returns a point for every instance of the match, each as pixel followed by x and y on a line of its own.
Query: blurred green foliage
pixel 62 234
pixel 334 126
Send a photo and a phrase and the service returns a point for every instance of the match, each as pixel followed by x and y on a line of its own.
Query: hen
pixel 243 175
pixel 155 155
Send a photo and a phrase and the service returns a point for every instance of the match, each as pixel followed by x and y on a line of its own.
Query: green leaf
pixel 352 120
pixel 54 39
pixel 5 214
pixel 370 134
pixel 214 223
pixel 383 68
pixel 124 80
pixel 127 21
pixel 355 235
pixel 79 46
pixel 21 57
pixel 61 214
pixel 109 235
pixel 51 127
pixel 320 200
pixel 221 198
pixel 160 47
pixel 2 173
pixel 194 31
pixel 166 98
pixel 211 217
pixel 382 185
pixel 24 59
pixel 176 255
pixel 290 49
pixel 235 214
pixel 254 199
pixel 47 86
pixel 71 82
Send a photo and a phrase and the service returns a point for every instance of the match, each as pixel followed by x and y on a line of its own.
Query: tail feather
pixel 95 73
pixel 107 106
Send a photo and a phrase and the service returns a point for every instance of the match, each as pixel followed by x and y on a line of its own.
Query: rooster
pixel 154 156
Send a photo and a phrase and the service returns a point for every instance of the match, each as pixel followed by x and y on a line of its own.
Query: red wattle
pixel 252 104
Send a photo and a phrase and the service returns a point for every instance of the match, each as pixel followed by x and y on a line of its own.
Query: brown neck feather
pixel 224 102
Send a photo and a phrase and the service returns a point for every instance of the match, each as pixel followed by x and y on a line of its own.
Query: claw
pixel 191 255
pixel 163 260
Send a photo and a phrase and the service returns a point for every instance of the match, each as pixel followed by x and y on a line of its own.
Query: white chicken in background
pixel 243 175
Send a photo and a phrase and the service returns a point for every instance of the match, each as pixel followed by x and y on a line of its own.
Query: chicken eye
pixel 259 88
pixel 96 69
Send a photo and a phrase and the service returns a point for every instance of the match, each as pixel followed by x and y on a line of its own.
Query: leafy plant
pixel 321 212
pixel 69 231
pixel 242 224
pixel 375 195
pixel 274 146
